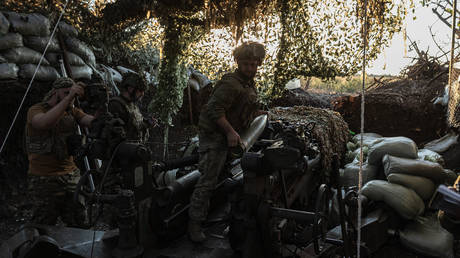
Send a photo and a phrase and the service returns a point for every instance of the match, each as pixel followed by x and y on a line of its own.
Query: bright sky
pixel 418 31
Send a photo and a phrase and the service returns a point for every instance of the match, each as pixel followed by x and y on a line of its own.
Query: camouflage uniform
pixel 55 198
pixel 129 112
pixel 53 174
pixel 235 97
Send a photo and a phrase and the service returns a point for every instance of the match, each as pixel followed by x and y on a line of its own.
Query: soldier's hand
pixel 77 90
pixel 233 138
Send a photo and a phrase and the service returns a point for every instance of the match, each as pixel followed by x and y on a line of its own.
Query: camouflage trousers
pixel 212 162
pixel 55 198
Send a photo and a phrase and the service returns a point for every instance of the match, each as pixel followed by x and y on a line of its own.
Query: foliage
pixel 350 84
pixel 304 38
pixel 173 75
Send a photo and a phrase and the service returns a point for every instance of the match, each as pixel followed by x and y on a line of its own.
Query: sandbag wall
pixel 404 178
pixel 23 39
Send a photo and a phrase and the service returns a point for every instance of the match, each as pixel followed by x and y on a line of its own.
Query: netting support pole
pixel 452 47
pixel 361 156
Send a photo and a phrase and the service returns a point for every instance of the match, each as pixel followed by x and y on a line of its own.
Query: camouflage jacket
pixel 234 96
pixel 129 112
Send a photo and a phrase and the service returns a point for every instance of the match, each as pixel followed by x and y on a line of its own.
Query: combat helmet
pixel 133 80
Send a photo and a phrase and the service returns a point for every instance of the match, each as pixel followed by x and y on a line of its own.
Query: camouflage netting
pixel 330 131
pixel 453 110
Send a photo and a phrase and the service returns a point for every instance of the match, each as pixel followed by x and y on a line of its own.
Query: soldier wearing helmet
pixel 53 174
pixel 125 107
pixel 230 109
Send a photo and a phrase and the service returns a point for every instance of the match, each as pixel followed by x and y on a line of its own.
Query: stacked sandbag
pixel 349 176
pixel 16 54
pixel 23 40
pixel 401 199
pixel 396 146
pixel 111 75
pixel 426 236
pixel 442 144
pixel 429 155
pixel 4 24
pixel 79 56
pixel 81 49
pixel 10 40
pixel 353 146
pixel 423 186
pixel 8 71
pixel 33 24
pixel 412 178
pixel 423 168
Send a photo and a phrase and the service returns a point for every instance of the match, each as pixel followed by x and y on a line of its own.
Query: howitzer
pixel 273 182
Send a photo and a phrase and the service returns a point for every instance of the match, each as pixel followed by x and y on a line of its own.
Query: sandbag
pixel 423 186
pixel 414 167
pixel 4 24
pixel 33 24
pixel 44 73
pixel 395 146
pixel 111 74
pixel 451 176
pixel 67 30
pixel 429 155
pixel 76 46
pixel 200 78
pixel 73 59
pixel 124 70
pixel 193 84
pixel 368 138
pixel 39 43
pixel 10 40
pixel 351 146
pixel 350 175
pixel 23 55
pixel 403 200
pixel 81 72
pixel 442 144
pixel 8 71
pixel 426 236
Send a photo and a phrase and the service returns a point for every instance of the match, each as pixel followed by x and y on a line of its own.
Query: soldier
pixel 125 107
pixel 231 108
pixel 52 172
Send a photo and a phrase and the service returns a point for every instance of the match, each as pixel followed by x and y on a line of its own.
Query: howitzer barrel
pixel 181 162
pixel 183 186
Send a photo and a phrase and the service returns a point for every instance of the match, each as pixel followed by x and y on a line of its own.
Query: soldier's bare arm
pixel 86 120
pixel 47 120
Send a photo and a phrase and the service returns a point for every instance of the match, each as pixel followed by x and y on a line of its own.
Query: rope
pixel 361 156
pixel 452 47
pixel 33 77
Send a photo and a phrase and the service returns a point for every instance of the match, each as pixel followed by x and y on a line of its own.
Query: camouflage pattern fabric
pixel 129 112
pixel 55 198
pixel 212 162
pixel 234 96
pixel 59 83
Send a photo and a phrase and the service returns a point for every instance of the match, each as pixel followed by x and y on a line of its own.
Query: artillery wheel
pixel 322 217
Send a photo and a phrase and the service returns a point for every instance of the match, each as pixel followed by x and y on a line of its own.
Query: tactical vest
pixel 135 128
pixel 54 140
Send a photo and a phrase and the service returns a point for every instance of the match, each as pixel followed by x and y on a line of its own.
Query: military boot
pixel 195 232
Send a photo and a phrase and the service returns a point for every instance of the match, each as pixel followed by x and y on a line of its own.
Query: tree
pixel 305 38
